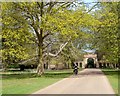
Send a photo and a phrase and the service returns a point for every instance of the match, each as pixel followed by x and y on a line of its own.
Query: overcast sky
pixel 88 1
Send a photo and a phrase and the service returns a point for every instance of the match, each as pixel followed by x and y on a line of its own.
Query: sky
pixel 89 51
pixel 88 1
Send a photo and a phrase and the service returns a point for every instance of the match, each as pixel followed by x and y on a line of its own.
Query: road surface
pixel 88 81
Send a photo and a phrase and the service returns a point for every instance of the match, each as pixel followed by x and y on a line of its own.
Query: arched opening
pixel 90 63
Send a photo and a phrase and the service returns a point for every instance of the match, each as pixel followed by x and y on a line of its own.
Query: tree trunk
pixel 5 67
pixel 22 67
pixel 40 67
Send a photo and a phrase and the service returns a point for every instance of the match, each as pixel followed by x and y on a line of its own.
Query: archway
pixel 90 63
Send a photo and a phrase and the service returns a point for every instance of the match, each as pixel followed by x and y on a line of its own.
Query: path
pixel 89 81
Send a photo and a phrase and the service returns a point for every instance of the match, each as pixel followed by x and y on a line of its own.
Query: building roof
pixel 90 56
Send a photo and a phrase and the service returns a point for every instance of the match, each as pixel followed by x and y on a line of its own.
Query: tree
pixel 106 33
pixel 15 36
pixel 47 18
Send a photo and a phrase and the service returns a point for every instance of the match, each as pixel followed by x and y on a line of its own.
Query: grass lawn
pixel 26 83
pixel 112 75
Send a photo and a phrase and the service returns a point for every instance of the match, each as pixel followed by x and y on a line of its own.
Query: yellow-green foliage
pixel 15 35
pixel 106 35
pixel 20 19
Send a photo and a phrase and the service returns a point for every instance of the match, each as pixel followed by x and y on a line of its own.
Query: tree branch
pixel 86 12
pixel 61 48
pixel 23 62
pixel 46 35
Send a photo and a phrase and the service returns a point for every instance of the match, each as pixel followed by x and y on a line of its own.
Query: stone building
pixel 90 61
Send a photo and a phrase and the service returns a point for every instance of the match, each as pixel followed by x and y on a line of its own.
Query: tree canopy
pixel 106 33
pixel 58 30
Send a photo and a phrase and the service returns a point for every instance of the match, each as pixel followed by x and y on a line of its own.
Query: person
pixel 75 69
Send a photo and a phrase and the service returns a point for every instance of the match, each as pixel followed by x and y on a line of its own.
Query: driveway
pixel 88 81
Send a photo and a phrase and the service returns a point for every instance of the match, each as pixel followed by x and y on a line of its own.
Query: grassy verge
pixel 112 75
pixel 26 83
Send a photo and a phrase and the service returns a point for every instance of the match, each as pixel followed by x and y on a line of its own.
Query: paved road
pixel 88 81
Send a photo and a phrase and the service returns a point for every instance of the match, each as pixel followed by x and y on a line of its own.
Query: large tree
pixel 45 19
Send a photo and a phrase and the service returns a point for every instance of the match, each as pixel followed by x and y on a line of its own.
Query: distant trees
pixel 106 33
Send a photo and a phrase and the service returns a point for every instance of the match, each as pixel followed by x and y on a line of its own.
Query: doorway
pixel 90 63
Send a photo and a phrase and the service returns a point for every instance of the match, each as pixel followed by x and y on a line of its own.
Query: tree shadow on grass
pixel 34 75
pixel 18 76
pixel 57 75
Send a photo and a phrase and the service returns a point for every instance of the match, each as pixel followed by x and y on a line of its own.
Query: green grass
pixel 112 75
pixel 26 83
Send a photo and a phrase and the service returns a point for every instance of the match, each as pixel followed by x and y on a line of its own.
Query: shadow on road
pixel 95 72
pixel 88 72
